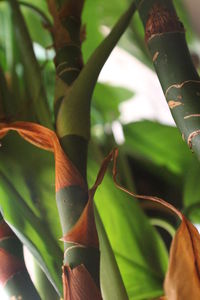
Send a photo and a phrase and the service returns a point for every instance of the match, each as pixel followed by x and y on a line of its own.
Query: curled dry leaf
pixel 42 137
pixel 183 276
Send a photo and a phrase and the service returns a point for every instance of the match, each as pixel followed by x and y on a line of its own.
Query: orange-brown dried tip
pixel 84 231
pixel 79 285
pixel 161 20
pixel 44 138
pixel 183 276
pixel 10 265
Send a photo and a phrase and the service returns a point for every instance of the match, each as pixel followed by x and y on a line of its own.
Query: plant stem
pixel 165 37
pixel 67 34
pixel 32 69
pixel 73 117
pixel 38 11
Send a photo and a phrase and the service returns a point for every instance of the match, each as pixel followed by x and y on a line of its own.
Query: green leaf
pixel 27 201
pixel 157 143
pixel 106 100
pixel 139 251
pixel 111 281
pixel 191 199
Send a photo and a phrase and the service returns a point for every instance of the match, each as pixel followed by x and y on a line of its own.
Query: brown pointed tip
pixel 183 276
pixel 84 231
pixel 79 285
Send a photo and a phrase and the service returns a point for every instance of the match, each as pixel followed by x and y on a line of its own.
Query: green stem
pixel 38 11
pixel 73 120
pixel 180 82
pixel 32 68
pixel 163 224
pixel 18 282
pixel 67 33
pixel 73 127
pixel 77 102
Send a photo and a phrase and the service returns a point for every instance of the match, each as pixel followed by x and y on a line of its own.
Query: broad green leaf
pixel 191 199
pixel 111 281
pixel 106 100
pixel 139 251
pixel 157 143
pixel 27 201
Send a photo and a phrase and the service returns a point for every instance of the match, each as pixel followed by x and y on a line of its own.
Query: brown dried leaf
pixel 10 265
pixel 79 285
pixel 183 276
pixel 42 137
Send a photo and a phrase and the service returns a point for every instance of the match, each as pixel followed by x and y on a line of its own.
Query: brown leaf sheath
pixel 84 231
pixel 10 265
pixel 79 285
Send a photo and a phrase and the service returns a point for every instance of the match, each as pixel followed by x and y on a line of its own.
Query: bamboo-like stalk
pixel 34 80
pixel 76 101
pixel 165 37
pixel 13 274
pixel 68 34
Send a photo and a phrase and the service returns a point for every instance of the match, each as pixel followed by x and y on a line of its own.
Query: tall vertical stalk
pixel 165 38
pixel 73 95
